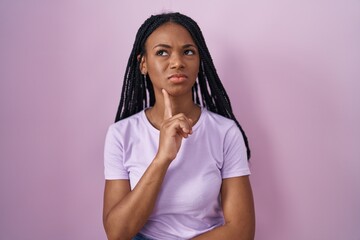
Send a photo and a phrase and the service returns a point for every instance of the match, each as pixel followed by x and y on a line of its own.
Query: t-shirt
pixel 188 203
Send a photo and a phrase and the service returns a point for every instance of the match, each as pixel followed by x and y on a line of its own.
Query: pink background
pixel 292 70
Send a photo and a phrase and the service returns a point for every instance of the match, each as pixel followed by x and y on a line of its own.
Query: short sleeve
pixel 235 156
pixel 113 156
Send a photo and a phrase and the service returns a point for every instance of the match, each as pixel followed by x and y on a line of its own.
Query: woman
pixel 176 158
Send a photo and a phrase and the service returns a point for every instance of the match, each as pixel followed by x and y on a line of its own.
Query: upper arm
pixel 238 205
pixel 114 191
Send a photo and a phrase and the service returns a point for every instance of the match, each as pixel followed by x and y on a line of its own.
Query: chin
pixel 179 90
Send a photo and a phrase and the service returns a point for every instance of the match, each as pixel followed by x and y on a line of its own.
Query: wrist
pixel 162 161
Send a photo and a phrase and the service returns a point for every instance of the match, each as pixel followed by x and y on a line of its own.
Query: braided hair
pixel 138 93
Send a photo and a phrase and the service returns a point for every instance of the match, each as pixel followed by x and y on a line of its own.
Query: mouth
pixel 178 78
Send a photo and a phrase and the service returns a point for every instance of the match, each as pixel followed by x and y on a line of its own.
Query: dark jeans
pixel 139 236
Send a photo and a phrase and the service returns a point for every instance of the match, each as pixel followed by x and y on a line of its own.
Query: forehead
pixel 169 33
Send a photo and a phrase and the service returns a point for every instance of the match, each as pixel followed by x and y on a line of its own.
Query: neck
pixel 179 104
pixel 182 103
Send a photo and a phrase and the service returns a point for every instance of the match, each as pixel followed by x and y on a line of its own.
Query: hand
pixel 172 130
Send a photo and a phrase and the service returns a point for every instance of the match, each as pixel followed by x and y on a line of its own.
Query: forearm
pixel 239 213
pixel 228 231
pixel 130 214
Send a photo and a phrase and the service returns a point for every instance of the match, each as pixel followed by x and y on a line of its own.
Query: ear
pixel 143 65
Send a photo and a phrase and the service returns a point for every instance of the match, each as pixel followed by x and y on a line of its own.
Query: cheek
pixel 156 67
pixel 197 64
pixel 196 68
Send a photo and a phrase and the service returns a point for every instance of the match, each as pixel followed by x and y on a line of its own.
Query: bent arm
pixel 239 213
pixel 125 212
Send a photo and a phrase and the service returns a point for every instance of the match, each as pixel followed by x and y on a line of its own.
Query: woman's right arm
pixel 125 212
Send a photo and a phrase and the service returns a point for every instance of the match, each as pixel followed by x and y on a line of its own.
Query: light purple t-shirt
pixel 189 200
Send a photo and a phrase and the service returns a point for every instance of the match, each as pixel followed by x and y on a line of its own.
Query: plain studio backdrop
pixel 291 68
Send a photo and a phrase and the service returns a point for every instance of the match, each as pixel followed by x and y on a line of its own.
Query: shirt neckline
pixel 153 129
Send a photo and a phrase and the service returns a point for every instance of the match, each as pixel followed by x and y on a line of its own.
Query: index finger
pixel 167 105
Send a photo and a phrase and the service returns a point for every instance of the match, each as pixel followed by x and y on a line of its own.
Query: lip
pixel 178 77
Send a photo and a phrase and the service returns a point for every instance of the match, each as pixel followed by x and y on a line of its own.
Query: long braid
pixel 138 93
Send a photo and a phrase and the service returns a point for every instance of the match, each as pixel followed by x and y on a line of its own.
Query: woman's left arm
pixel 238 207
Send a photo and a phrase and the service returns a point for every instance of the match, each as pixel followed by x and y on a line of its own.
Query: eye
pixel 161 53
pixel 189 52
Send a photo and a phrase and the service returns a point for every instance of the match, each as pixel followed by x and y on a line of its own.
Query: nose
pixel 176 61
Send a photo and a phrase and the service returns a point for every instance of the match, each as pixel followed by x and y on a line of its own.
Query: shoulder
pixel 218 121
pixel 222 126
pixel 122 127
pixel 131 120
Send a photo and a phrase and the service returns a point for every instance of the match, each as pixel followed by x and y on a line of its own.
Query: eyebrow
pixel 168 46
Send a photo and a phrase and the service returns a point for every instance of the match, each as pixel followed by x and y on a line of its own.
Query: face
pixel 171 59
